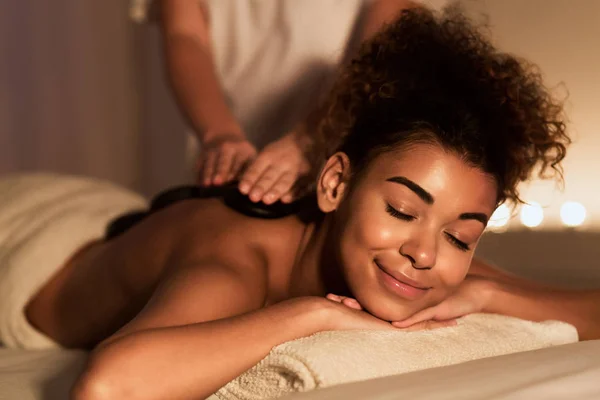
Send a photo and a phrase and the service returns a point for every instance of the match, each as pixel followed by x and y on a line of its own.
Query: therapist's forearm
pixel 193 78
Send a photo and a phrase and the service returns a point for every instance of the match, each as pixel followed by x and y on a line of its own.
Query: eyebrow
pixel 481 217
pixel 428 198
pixel 419 191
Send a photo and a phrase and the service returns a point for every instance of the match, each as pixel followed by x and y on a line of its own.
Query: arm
pixel 191 71
pixel 276 170
pixel 510 295
pixel 482 269
pixel 491 290
pixel 202 328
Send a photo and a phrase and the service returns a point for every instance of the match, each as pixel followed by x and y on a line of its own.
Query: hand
pixel 470 297
pixel 222 157
pixel 423 325
pixel 344 317
pixel 272 175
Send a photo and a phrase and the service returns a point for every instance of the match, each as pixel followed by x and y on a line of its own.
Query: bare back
pixel 108 283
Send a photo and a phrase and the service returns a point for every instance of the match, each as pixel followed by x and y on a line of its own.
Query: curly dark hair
pixel 438 79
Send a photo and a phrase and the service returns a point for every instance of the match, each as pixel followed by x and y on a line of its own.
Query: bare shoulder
pixel 220 265
pixel 215 231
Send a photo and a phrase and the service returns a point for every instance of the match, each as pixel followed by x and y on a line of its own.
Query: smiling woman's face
pixel 407 229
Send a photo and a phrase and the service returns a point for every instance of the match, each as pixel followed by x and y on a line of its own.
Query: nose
pixel 421 251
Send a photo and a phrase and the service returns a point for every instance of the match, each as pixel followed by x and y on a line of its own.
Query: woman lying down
pixel 430 129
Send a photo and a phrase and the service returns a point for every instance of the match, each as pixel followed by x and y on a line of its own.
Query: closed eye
pixel 397 214
pixel 405 217
pixel 459 244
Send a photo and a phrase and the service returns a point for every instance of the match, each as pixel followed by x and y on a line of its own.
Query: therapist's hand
pixel 222 157
pixel 272 175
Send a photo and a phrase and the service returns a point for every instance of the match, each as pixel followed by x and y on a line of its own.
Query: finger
pixel 264 184
pixel 349 302
pixel 239 160
pixel 199 164
pixel 352 303
pixel 254 172
pixel 334 297
pixel 281 186
pixel 430 325
pixel 421 326
pixel 208 168
pixel 424 315
pixel 224 163
pixel 443 324
pixel 287 198
pixel 199 171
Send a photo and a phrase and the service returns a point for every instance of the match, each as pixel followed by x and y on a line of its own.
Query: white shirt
pixel 273 56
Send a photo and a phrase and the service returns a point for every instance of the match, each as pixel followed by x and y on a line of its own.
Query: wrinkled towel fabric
pixel 332 358
pixel 44 220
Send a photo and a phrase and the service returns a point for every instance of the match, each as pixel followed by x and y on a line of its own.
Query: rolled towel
pixel 336 357
pixel 44 220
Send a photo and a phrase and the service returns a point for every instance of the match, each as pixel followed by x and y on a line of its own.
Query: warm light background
pixel 563 37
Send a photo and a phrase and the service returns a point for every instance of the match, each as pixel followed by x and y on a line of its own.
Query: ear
pixel 333 182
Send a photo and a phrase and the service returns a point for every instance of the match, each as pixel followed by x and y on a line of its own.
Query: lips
pixel 401 284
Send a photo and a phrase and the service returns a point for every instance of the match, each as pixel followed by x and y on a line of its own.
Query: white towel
pixel 44 220
pixel 336 357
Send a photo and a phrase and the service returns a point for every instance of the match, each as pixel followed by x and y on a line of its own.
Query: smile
pixel 401 286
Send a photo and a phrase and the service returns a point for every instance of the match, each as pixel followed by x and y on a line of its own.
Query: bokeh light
pixel 532 214
pixel 500 217
pixel 572 213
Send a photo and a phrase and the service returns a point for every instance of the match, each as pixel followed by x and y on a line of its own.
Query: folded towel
pixel 44 220
pixel 336 357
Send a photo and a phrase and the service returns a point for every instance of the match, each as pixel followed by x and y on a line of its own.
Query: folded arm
pixel 510 295
pixel 202 328
pixel 491 290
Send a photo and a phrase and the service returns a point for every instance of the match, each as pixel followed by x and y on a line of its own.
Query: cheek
pixel 372 228
pixel 374 235
pixel 453 270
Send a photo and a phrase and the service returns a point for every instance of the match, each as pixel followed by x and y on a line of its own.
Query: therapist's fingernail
pixel 269 198
pixel 244 188
pixel 255 195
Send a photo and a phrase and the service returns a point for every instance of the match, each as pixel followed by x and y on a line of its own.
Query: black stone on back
pixel 230 195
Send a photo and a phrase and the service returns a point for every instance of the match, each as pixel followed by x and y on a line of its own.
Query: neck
pixel 316 270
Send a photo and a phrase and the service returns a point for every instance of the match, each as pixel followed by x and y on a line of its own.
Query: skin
pixel 204 300
pixel 208 289
pixel 268 175
pixel 387 223
pixel 286 254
